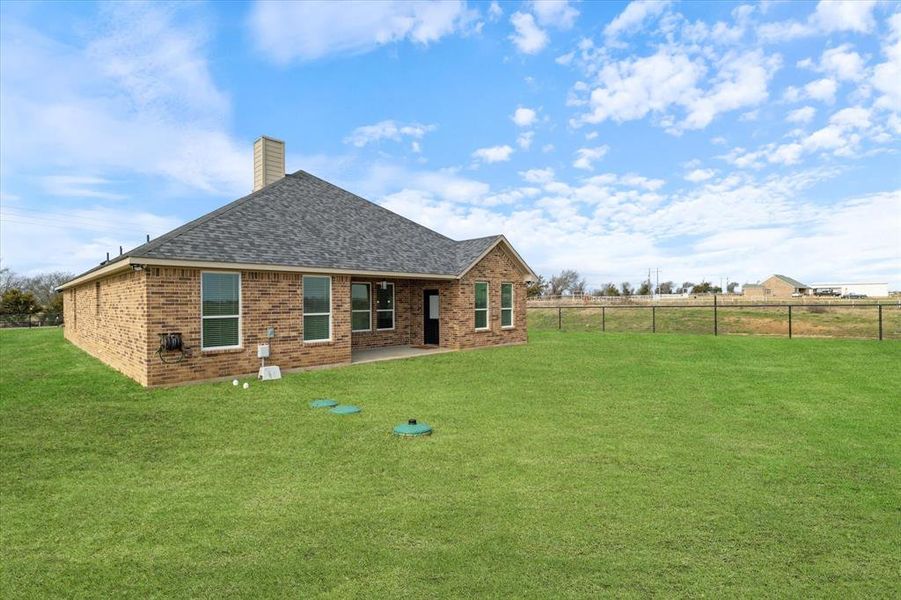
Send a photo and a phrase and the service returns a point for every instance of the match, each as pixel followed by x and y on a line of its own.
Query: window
pixel 481 291
pixel 360 307
pixel 317 308
pixel 507 305
pixel 384 307
pixel 220 295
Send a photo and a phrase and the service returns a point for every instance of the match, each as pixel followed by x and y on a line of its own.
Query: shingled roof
pixel 792 282
pixel 304 221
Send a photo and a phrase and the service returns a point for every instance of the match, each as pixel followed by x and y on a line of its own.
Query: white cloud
pixel 555 13
pixel 538 175
pixel 672 79
pixel 78 186
pixel 524 139
pixel 886 75
pixel 493 154
pixel 804 114
pixel 633 17
pixel 386 130
pixel 821 89
pixel 829 16
pixel 845 15
pixel 305 31
pixel 699 175
pixel 529 38
pixel 137 100
pixel 495 11
pixel 524 117
pixel 843 63
pixel 586 157
pixel 74 238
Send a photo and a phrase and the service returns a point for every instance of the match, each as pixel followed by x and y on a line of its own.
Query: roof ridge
pixel 364 200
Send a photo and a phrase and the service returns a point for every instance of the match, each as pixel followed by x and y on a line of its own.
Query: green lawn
pixel 578 465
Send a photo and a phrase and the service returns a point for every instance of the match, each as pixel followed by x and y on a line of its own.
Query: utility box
pixel 263 351
pixel 267 373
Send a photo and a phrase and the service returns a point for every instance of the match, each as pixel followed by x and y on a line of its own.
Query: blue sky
pixel 709 140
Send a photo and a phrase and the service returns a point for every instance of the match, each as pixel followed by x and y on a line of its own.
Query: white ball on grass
pixel 234 382
pixel 246 385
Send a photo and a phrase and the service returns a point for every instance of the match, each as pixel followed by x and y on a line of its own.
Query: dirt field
pixel 807 320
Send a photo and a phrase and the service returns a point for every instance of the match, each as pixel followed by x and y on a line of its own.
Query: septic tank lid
pixel 323 403
pixel 412 429
pixel 345 409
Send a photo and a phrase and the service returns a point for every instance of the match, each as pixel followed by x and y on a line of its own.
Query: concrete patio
pixel 393 353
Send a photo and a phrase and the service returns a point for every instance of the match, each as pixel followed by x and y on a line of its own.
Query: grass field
pixel 807 320
pixel 578 465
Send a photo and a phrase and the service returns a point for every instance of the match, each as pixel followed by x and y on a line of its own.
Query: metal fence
pixel 44 319
pixel 863 321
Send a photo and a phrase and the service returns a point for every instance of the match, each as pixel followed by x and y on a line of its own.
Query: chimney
pixel 268 161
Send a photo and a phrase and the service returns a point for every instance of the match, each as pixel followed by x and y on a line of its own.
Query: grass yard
pixel 578 465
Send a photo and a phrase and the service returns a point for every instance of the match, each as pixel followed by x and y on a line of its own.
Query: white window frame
pixel 203 347
pixel 303 314
pixel 512 324
pixel 352 310
pixel 390 310
pixel 487 308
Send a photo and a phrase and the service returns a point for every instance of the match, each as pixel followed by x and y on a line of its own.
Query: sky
pixel 711 141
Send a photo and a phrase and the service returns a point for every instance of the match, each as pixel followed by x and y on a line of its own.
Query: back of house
pixel 302 266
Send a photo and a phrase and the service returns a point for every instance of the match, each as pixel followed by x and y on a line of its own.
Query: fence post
pixel 715 325
pixel 603 319
pixel 789 321
pixel 653 319
pixel 880 321
pixel 559 317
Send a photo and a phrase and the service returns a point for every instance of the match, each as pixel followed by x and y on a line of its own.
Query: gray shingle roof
pixel 304 221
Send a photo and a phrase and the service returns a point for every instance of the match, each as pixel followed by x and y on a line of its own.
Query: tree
pixel 580 287
pixel 665 288
pixel 8 280
pixel 537 288
pixel 17 302
pixel 685 288
pixel 44 285
pixel 732 287
pixel 608 289
pixel 626 288
pixel 705 287
pixel 564 282
pixel 644 289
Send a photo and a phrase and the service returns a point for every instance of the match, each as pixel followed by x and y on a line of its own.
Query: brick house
pixel 775 286
pixel 315 272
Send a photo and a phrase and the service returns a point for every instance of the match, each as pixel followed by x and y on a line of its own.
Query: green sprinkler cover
pixel 412 430
pixel 323 403
pixel 345 409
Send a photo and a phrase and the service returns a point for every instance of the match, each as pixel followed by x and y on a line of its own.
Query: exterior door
pixel 430 314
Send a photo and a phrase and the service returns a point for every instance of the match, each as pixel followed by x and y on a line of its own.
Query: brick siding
pixel 137 306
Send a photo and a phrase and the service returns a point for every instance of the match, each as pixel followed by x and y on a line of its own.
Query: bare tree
pixel 564 282
pixel 579 287
pixel 626 288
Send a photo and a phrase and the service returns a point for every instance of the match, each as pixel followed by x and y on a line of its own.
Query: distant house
pixel 302 265
pixel 775 286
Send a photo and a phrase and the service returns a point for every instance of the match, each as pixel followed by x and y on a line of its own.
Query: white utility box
pixel 267 373
pixel 263 351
